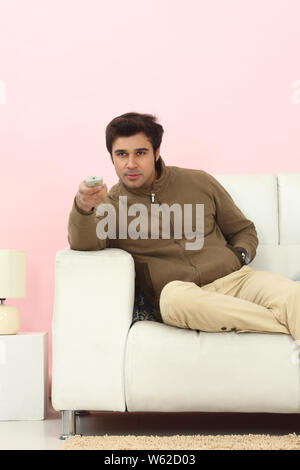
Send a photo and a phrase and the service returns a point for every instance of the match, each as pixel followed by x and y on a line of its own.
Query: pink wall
pixel 217 73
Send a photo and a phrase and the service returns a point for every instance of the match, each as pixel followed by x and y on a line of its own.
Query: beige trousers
pixel 243 301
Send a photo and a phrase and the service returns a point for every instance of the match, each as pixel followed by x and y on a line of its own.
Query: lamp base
pixel 10 320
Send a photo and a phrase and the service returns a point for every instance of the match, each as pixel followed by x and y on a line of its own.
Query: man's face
pixel 133 158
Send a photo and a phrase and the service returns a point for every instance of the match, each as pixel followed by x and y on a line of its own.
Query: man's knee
pixel 169 292
pixel 171 295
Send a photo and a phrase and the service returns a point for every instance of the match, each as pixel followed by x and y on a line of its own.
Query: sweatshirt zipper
pixel 152 199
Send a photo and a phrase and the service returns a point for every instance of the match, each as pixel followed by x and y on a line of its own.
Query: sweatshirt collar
pixel 156 186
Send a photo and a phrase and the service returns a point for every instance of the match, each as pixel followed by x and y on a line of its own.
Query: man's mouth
pixel 133 176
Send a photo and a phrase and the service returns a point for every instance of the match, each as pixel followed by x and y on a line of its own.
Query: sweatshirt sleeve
pixel 82 234
pixel 236 228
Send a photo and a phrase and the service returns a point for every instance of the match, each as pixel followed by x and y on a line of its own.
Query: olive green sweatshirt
pixel 159 261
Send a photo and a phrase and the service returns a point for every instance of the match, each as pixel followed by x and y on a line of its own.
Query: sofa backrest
pixel 289 208
pixel 272 202
pixel 256 196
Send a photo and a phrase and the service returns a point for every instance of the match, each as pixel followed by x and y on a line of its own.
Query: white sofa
pixel 103 362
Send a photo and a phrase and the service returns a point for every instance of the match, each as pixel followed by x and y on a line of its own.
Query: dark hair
pixel 130 124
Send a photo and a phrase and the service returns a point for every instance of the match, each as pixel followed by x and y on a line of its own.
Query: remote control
pixel 92 181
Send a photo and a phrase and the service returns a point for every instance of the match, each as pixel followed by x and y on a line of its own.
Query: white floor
pixel 32 435
pixel 44 434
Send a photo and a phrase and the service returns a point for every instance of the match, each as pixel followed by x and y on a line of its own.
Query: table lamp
pixel 12 284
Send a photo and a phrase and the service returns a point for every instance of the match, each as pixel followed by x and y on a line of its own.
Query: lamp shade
pixel 12 273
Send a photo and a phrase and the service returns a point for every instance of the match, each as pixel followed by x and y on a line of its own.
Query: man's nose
pixel 132 163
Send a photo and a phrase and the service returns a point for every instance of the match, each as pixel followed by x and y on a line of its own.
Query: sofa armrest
pixel 92 314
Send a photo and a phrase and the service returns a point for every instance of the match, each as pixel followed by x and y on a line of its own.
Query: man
pixel 209 289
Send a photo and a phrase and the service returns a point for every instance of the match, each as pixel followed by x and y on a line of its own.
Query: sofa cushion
pixel 172 369
pixel 281 259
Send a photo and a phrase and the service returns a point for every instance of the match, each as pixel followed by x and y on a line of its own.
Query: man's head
pixel 133 141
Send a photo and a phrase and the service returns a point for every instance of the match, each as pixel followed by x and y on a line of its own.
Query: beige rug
pixel 192 442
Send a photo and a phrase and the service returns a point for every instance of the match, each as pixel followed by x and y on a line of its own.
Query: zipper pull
pixel 152 197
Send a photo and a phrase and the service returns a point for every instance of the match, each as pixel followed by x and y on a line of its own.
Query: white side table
pixel 23 376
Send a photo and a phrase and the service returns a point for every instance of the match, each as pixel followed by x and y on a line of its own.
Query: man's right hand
pixel 87 198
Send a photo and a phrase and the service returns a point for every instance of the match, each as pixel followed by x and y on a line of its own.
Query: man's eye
pixel 123 153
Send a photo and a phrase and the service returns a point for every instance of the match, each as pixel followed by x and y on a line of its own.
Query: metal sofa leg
pixel 68 424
